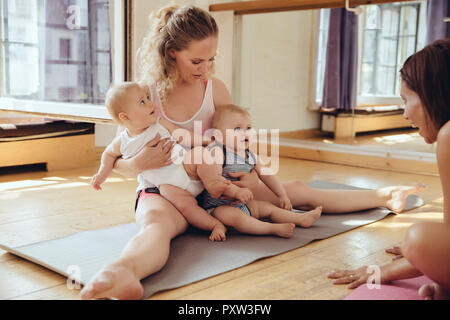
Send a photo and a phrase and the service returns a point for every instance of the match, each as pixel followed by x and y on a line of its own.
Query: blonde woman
pixel 177 61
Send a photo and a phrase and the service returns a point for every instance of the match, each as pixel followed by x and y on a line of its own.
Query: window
pixel 388 34
pixel 391 33
pixel 322 54
pixel 54 51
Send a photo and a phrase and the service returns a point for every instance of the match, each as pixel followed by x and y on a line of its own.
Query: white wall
pixel 275 70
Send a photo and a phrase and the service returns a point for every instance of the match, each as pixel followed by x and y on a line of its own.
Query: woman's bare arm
pixel 396 270
pixel 443 161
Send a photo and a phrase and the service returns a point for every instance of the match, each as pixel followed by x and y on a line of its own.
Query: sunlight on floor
pixel 50 182
pixel 439 201
pixel 54 179
pixel 27 188
pixel 10 195
pixel 110 179
pixel 401 140
pixel 355 222
pixel 23 184
pixel 390 224
pixel 394 139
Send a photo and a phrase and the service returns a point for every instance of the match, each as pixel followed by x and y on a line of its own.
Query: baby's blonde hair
pixel 115 97
pixel 223 110
pixel 171 27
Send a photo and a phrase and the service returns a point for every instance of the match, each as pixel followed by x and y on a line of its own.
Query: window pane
pixel 322 51
pixel 367 75
pixel 387 51
pixel 23 75
pixel 62 46
pixel 21 28
pixel 389 39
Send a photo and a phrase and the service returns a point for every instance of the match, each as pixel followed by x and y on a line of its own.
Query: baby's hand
pixel 218 233
pixel 97 180
pixel 285 203
pixel 243 195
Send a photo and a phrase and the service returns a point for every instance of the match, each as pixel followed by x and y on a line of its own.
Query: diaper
pixel 174 174
pixel 241 206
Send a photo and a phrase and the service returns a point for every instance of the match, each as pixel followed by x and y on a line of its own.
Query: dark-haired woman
pixel 425 91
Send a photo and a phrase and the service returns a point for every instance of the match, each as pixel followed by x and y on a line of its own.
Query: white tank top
pixel 204 114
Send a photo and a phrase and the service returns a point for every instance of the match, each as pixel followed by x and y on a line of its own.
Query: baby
pixel 129 104
pixel 233 125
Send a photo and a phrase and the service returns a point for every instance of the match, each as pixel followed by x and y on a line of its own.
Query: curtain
pixel 341 61
pixel 436 27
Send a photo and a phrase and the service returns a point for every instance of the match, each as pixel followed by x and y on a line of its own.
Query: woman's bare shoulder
pixel 443 149
pixel 443 159
pixel 444 134
pixel 221 93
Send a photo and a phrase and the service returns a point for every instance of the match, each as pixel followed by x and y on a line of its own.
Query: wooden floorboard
pixel 38 206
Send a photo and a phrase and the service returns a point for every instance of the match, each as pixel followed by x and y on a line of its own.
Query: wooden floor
pixel 38 206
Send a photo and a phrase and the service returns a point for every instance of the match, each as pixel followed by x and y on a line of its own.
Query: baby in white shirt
pixel 130 106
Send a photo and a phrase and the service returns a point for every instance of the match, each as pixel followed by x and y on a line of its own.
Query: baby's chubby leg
pixel 195 215
pixel 235 218
pixel 266 209
pixel 208 169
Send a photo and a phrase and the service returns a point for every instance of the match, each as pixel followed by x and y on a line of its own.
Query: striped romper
pixel 232 163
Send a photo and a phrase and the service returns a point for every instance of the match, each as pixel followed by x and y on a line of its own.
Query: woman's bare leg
pixel 339 201
pixel 427 247
pixel 159 222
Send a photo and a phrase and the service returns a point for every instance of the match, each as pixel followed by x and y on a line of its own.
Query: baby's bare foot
pixel 433 291
pixel 306 219
pixel 114 281
pixel 284 230
pixel 397 196
pixel 216 187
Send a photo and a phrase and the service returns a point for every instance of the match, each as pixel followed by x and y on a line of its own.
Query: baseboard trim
pixel 359 156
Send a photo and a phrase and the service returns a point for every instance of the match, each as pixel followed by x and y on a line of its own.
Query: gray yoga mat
pixel 193 257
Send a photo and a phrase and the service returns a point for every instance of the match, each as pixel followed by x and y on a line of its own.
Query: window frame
pixel 362 100
pixel 78 110
pixel 384 99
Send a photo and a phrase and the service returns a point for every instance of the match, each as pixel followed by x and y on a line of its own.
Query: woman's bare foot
pixel 284 230
pixel 396 196
pixel 306 219
pixel 114 281
pixel 433 291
